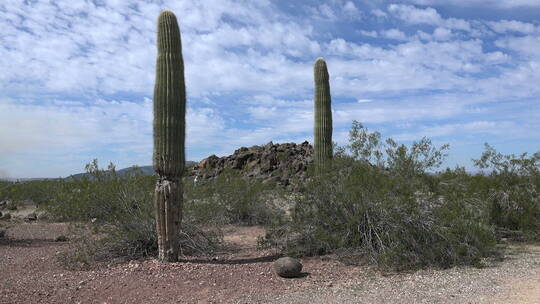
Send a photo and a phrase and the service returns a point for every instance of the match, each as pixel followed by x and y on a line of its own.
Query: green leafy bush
pixel 100 196
pixel 232 199
pixel 512 192
pixel 38 192
pixel 378 206
pixel 119 211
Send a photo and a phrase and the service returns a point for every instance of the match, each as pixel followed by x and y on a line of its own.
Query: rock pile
pixel 280 163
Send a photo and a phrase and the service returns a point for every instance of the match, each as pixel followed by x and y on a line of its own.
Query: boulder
pixel 6 216
pixel 61 238
pixel 288 267
pixel 30 217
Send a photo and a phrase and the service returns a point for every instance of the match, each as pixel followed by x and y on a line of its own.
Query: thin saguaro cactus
pixel 169 135
pixel 323 114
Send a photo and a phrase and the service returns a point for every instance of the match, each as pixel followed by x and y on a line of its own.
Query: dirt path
pixel 30 273
pixel 525 289
pixel 522 291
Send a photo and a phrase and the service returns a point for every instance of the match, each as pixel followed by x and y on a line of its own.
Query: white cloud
pixel 351 9
pixel 327 12
pixel 483 3
pixel 411 14
pixel 470 129
pixel 394 34
pixel 505 26
pixel 99 50
pixel 442 34
pixel 379 13
pixel 52 129
pixel 414 15
pixel 527 46
pixel 372 34
pixel 76 78
pixel 413 65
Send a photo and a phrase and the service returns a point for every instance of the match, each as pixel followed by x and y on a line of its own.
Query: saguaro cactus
pixel 323 114
pixel 169 135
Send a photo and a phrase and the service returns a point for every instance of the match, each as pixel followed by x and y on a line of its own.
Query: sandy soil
pixel 30 272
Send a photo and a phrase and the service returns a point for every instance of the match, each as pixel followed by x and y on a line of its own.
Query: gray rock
pixel 288 162
pixel 31 217
pixel 288 267
pixel 61 238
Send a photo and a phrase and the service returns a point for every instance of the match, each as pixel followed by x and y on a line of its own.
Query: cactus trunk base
pixel 168 201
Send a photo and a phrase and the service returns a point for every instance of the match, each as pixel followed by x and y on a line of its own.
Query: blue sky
pixel 77 77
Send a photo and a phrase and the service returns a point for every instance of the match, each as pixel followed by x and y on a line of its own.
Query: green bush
pixel 119 211
pixel 100 196
pixel 232 199
pixel 378 206
pixel 39 192
pixel 512 192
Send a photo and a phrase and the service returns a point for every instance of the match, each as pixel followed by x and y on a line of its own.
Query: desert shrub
pixel 378 205
pixel 512 192
pixel 99 196
pixel 231 199
pixel 114 218
pixel 39 192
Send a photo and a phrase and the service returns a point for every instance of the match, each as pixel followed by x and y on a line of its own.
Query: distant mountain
pixel 144 170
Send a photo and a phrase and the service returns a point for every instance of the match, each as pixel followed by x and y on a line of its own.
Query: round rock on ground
pixel 31 217
pixel 288 267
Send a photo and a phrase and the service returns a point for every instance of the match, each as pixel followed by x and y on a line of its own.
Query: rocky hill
pixel 280 163
pixel 277 163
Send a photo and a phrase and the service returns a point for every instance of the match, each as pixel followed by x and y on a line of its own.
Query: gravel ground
pixel 30 273
pixel 514 280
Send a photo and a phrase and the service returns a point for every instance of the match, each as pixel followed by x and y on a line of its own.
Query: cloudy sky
pixel 77 76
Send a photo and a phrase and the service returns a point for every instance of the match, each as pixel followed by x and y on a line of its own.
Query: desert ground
pixel 31 272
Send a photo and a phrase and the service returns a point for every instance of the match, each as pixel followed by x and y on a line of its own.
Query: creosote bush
pixel 376 205
pixel 379 202
pixel 119 213
pixel 232 199
pixel 39 192
pixel 512 192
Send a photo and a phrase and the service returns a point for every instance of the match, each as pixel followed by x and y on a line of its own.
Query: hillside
pixel 279 163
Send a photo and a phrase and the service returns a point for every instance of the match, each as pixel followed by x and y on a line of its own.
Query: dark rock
pixel 31 217
pixel 11 206
pixel 2 233
pixel 276 163
pixel 61 238
pixel 209 162
pixel 288 267
pixel 268 146
pixel 6 216
pixel 242 149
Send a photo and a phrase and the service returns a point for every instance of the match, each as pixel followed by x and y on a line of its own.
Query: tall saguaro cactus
pixel 169 135
pixel 323 114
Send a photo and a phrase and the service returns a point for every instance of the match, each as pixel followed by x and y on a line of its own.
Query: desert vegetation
pixel 372 201
pixel 380 202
